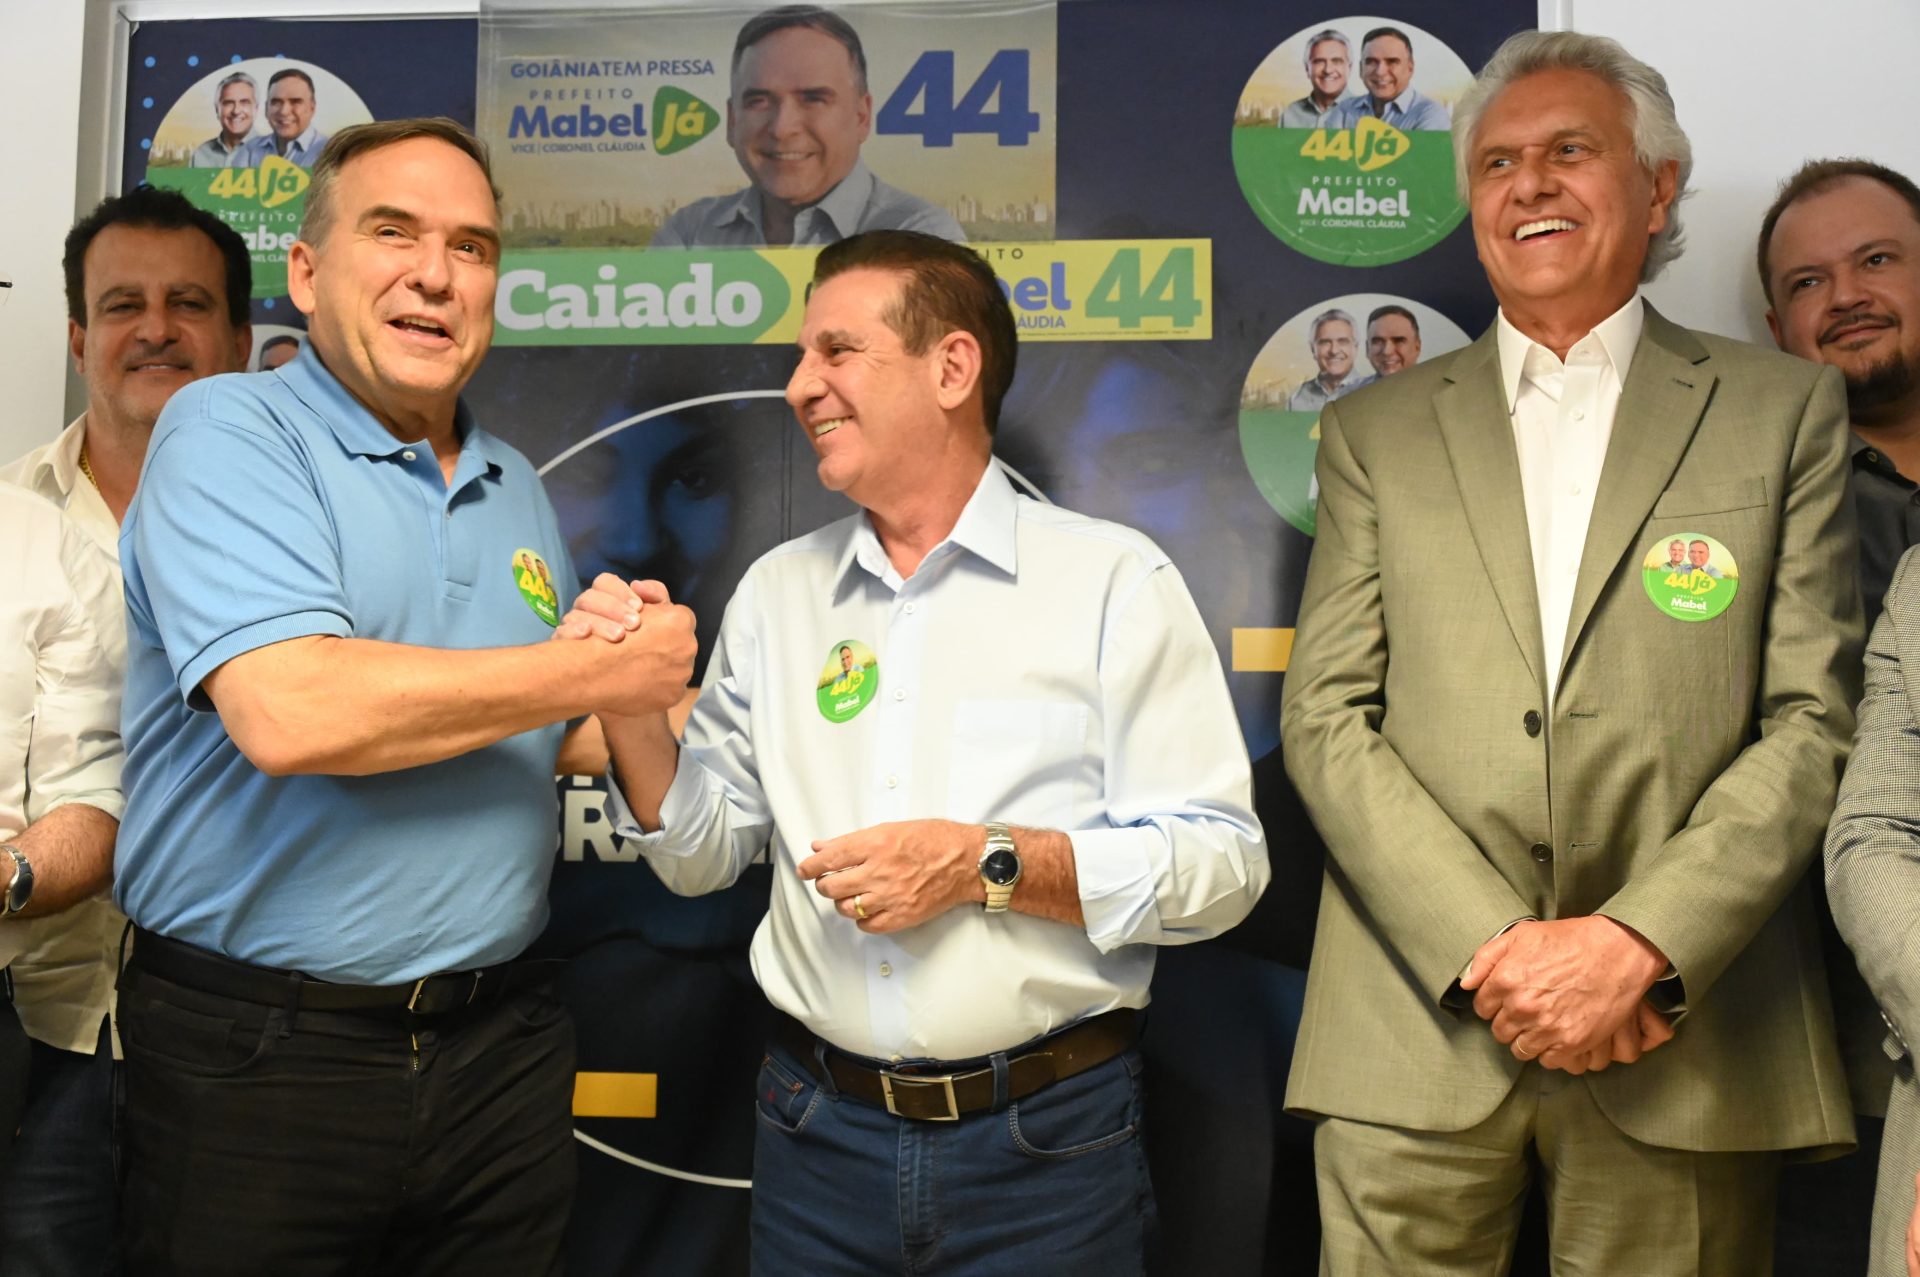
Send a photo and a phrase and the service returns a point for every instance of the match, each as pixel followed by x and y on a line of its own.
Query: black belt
pixel 195 968
pixel 945 1097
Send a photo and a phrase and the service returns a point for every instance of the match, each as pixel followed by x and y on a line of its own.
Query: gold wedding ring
pixel 858 912
pixel 1522 1051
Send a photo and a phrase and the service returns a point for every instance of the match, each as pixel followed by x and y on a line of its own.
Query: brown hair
pixel 1816 176
pixel 946 288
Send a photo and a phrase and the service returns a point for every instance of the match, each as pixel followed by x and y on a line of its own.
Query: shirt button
pixel 1541 852
pixel 1574 491
pixel 899 693
pixel 893 782
pixel 1531 722
pixel 895 1058
pixel 886 968
pixel 1579 414
pixel 408 454
pixel 908 609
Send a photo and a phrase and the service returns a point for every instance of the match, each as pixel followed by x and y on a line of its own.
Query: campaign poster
pixel 611 127
pixel 233 112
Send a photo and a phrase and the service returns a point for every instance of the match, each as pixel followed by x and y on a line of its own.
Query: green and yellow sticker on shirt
pixel 535 582
pixel 1690 576
pixel 848 681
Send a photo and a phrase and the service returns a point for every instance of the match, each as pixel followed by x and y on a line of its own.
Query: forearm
pixel 645 756
pixel 342 706
pixel 71 851
pixel 1049 884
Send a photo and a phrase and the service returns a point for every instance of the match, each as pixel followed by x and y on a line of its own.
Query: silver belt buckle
pixel 945 1081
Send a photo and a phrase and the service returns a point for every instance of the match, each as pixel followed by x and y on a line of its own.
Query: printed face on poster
pixel 607 133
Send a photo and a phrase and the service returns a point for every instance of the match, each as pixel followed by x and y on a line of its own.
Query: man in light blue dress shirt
pixel 1386 65
pixel 234 105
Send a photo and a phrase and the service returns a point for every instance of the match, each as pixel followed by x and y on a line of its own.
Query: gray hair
pixel 238 77
pixel 1319 38
pixel 1327 316
pixel 1657 136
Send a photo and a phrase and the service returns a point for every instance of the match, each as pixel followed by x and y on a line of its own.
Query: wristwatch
pixel 999 867
pixel 21 889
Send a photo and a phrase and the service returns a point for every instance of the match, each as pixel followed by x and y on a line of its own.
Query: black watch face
pixel 1000 868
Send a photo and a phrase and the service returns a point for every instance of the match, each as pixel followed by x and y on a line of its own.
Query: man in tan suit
pixel 1569 794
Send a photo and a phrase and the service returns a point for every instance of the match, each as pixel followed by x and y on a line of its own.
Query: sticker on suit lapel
pixel 848 681
pixel 1690 577
pixel 535 583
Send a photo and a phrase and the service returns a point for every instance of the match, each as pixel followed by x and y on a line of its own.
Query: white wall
pixel 1758 89
pixel 40 56
pixel 1760 86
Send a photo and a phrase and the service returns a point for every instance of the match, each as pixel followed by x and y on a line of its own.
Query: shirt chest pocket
pixel 1019 761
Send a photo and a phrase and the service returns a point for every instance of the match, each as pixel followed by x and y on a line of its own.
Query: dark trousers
pixel 16 1050
pixel 364 1142
pixel 58 1196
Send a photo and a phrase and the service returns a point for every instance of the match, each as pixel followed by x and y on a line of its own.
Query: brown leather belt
pixel 946 1096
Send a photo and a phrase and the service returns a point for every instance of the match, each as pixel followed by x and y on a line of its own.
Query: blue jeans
pixel 59 1196
pixel 1056 1183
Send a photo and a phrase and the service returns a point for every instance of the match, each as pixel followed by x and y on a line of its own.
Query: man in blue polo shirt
pixel 343 721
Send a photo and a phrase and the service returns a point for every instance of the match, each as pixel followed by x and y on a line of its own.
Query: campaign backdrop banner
pixel 1117 161
pixel 1085 290
pixel 607 120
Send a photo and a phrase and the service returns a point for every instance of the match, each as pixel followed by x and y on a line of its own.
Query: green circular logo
pixel 1342 144
pixel 1318 356
pixel 535 583
pixel 1690 576
pixel 848 681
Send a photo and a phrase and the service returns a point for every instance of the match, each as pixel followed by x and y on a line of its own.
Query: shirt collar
pixel 842 205
pixel 1409 96
pixel 1618 336
pixel 58 468
pixel 987 528
pixel 359 432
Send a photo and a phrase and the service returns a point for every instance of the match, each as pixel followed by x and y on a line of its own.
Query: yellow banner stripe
pixel 615 1094
pixel 1262 651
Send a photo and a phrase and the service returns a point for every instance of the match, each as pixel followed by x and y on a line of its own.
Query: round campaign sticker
pixel 848 681
pixel 535 583
pixel 1321 354
pixel 1341 140
pixel 1690 577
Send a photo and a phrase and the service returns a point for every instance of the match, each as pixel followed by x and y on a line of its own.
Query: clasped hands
pixel 654 637
pixel 1570 994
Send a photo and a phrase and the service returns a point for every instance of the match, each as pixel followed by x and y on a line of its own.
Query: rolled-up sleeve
pixel 1183 857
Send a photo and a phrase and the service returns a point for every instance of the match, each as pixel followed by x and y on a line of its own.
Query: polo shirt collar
pixel 360 433
pixel 987 528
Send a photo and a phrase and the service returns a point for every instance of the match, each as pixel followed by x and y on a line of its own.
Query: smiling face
pixel 1676 553
pixel 1562 210
pixel 1386 64
pixel 1327 67
pixel 797 116
pixel 1333 347
pixel 156 319
pixel 289 107
pixel 1698 552
pixel 1844 271
pixel 1393 343
pixel 871 410
pixel 236 111
pixel 400 295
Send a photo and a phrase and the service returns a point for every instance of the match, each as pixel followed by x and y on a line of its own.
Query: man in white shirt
pixel 1038 778
pixel 157 297
pixel 1567 804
